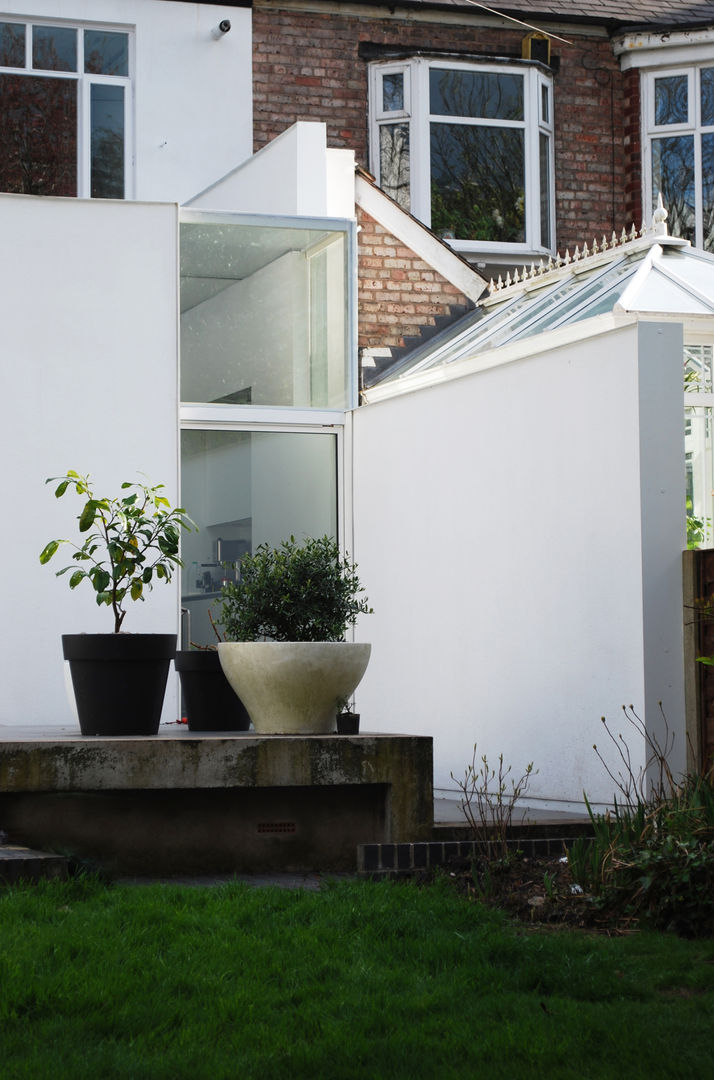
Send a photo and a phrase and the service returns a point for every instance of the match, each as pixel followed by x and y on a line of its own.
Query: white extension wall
pixel 193 111
pixel 519 531
pixel 88 381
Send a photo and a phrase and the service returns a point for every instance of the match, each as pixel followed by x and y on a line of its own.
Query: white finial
pixel 623 236
pixel 595 248
pixel 659 218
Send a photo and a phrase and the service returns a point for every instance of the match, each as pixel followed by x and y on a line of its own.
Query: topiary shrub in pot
pixel 130 542
pixel 285 623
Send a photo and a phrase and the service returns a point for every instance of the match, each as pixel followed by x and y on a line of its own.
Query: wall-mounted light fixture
pixel 221 30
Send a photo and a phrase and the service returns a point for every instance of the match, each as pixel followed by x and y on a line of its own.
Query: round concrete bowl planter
pixel 290 687
pixel 119 680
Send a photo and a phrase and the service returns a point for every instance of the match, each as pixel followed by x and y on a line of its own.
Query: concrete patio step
pixel 18 863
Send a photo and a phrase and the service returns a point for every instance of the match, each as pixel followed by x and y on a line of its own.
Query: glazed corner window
pixel 679 111
pixel 64 100
pixel 468 149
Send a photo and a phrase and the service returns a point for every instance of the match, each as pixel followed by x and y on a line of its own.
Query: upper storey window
pixel 64 110
pixel 679 155
pixel 468 149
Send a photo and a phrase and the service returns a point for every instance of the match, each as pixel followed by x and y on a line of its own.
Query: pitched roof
pixel 615 14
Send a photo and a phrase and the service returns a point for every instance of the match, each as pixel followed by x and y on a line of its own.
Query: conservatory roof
pixel 648 273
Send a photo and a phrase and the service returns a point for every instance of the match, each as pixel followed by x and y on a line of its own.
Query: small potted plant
pixel 129 543
pixel 285 622
pixel 347 720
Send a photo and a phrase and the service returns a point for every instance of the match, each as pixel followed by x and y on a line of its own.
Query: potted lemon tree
pixel 127 544
pixel 285 623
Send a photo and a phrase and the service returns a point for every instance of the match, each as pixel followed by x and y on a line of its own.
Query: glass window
pixel 63 134
pixel 393 91
pixel 478 182
pixel 106 53
pixel 107 141
pixel 476 94
pixel 698 416
pixel 473 156
pixel 671 100
pixel 38 118
pixel 264 315
pixel 680 165
pixel 394 161
pixel 12 45
pixel 245 488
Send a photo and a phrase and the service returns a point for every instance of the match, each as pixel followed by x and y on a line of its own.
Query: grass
pixel 362 979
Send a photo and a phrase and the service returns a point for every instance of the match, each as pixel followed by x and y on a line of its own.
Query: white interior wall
pixel 193 97
pixel 252 334
pixel 88 309
pixel 498 531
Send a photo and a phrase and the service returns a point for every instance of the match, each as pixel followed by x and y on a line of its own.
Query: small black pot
pixel 348 723
pixel 119 680
pixel 210 701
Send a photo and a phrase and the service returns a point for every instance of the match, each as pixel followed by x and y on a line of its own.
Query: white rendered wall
pixel 293 174
pixel 193 112
pixel 88 378
pixel 499 533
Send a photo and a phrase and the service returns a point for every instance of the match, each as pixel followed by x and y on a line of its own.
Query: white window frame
pixel 693 126
pixel 85 80
pixel 416 113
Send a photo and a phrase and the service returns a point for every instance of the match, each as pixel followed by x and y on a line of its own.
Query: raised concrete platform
pixel 187 803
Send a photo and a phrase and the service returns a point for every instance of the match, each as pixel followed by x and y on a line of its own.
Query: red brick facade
pixel 306 66
pixel 399 294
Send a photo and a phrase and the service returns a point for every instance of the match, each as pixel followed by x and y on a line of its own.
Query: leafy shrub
pixel 652 856
pixel 294 592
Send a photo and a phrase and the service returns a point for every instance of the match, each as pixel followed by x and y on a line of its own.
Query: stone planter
pixel 291 688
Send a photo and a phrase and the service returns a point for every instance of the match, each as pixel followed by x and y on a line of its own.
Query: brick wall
pixel 306 66
pixel 398 293
pixel 633 147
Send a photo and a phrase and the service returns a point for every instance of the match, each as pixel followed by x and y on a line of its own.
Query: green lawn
pixel 359 980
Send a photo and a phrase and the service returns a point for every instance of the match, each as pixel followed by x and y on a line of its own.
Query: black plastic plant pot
pixel 348 723
pixel 119 680
pixel 209 700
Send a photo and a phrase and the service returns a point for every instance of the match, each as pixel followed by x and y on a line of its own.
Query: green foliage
pixel 652 856
pixel 295 592
pixel 131 542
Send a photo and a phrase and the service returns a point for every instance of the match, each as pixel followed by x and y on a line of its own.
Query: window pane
pixel 478 182
pixel 698 369
pixel 699 475
pixel 673 176
pixel 544 147
pixel 394 162
pixel 393 92
pixel 107 141
pixel 12 45
pixel 245 488
pixel 708 192
pixel 106 53
pixel 707 95
pixel 545 104
pixel 476 93
pixel 54 48
pixel 38 119
pixel 264 315
pixel 671 99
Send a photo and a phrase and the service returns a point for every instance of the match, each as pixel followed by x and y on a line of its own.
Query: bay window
pixel 468 149
pixel 64 110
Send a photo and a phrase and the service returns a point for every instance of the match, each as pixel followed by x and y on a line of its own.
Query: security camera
pixel 222 28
